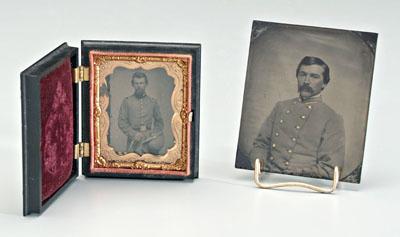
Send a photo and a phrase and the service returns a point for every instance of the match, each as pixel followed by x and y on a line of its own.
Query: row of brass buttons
pixel 293 138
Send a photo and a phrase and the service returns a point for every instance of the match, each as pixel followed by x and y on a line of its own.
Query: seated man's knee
pixel 155 146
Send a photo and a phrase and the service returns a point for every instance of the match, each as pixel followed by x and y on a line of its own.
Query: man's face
pixel 139 83
pixel 310 80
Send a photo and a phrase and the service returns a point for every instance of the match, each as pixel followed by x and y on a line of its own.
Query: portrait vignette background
pixel 275 51
pixel 160 87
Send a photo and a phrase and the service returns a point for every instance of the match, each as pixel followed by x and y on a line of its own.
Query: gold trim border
pixel 177 158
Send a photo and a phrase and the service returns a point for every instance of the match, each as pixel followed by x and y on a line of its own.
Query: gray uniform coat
pixel 302 138
pixel 141 115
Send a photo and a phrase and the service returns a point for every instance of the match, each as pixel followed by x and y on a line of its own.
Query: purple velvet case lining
pixel 57 129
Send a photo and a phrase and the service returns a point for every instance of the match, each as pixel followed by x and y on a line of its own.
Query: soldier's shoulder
pixel 329 111
pixel 152 99
pixel 128 98
pixel 288 102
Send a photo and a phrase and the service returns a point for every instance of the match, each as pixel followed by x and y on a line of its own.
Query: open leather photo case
pixel 130 110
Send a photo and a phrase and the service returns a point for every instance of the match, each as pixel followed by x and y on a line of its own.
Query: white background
pixel 223 201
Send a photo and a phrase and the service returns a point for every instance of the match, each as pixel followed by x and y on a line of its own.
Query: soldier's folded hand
pixel 138 136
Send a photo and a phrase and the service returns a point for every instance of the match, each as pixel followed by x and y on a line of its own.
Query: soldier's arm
pixel 332 149
pixel 158 121
pixel 123 121
pixel 262 143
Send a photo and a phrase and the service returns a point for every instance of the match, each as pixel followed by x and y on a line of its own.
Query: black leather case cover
pixel 31 127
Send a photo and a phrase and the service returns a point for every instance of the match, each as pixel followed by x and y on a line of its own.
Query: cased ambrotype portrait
pixel 140 102
pixel 306 100
pixel 141 113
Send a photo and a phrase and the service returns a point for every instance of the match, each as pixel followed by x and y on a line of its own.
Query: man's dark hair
pixel 139 75
pixel 310 60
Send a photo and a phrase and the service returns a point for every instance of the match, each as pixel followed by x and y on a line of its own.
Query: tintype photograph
pixel 306 100
pixel 141 113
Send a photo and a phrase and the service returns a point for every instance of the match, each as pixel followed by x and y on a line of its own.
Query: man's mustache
pixel 306 88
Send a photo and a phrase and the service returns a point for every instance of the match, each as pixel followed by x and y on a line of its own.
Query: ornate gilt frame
pixel 103 157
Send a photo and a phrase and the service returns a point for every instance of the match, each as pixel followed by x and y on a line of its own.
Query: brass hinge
pixel 81 150
pixel 81 74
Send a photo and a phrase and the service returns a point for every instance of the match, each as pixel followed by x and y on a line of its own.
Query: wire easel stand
pixel 257 175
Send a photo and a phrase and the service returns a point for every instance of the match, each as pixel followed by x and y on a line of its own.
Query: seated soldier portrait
pixel 140 119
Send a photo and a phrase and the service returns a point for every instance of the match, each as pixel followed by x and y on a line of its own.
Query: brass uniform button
pixel 294 139
pixel 277 134
pixel 271 158
pixel 287 111
pixel 310 107
pixel 297 127
pixel 281 121
pixel 303 116
pixel 287 163
pixel 274 145
pixel 289 151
